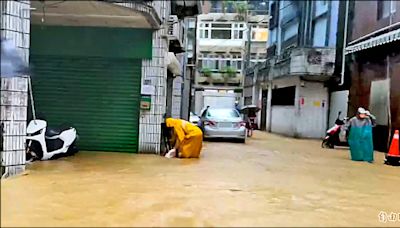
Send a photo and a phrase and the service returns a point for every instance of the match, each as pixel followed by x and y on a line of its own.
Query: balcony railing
pixel 313 62
pixel 219 79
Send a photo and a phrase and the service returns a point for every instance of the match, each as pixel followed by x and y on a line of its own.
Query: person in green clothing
pixel 360 136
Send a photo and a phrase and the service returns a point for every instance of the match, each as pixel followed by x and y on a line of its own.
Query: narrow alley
pixel 269 181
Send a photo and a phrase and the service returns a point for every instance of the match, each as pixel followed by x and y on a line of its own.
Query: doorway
pixel 264 100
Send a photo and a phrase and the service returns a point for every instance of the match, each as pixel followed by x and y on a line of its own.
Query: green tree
pixel 241 8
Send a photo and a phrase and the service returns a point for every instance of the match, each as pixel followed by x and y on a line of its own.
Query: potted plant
pixel 228 72
pixel 231 72
pixel 206 72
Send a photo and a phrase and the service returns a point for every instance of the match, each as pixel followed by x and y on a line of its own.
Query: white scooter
pixel 44 143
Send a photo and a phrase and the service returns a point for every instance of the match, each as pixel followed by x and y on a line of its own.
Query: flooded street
pixel 270 181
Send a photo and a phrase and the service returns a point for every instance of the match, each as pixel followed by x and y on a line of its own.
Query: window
pixel 204 30
pixel 320 7
pixel 384 8
pixel 219 62
pixel 223 113
pixel 204 34
pixel 237 34
pixel 290 31
pixel 319 30
pixel 238 29
pixel 215 25
pixel 274 15
pixel 284 96
pixel 221 34
pixel 272 37
pixel 216 7
pixel 192 24
pixel 221 31
pixel 190 44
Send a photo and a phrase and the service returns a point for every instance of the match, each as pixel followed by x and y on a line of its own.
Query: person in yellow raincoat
pixel 188 139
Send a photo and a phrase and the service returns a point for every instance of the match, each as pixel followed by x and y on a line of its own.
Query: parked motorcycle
pixel 45 143
pixel 336 136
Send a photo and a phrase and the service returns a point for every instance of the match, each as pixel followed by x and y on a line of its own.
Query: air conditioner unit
pixel 173 26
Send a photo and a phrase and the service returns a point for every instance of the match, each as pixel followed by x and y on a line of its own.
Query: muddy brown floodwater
pixel 270 181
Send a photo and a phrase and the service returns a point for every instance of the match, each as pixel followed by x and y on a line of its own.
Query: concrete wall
pixel 283 121
pixel 156 71
pixel 364 23
pixel 308 117
pixel 313 113
pixel 284 118
pixel 338 102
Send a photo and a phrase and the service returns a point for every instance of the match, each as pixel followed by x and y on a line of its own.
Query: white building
pixel 221 51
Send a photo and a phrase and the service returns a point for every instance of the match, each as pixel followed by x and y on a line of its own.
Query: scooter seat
pixel 50 132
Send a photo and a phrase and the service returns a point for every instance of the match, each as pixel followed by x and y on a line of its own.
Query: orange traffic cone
pixel 393 156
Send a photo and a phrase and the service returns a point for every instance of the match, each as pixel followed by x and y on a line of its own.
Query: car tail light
pixel 210 123
pixel 241 124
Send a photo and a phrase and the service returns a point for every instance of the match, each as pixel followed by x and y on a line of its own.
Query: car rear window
pixel 223 113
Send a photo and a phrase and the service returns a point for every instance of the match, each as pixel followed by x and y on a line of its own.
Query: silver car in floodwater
pixel 223 123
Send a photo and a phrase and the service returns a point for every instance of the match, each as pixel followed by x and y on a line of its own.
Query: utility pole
pixel 248 46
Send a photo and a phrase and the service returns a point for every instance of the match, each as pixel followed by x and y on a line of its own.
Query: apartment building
pixel 301 59
pixel 222 45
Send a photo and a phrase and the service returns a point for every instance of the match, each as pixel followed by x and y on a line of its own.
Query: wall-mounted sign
pixel 317 103
pixel 145 103
pixel 302 101
pixel 147 88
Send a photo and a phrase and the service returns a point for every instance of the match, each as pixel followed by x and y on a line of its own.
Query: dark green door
pixel 83 77
pixel 99 96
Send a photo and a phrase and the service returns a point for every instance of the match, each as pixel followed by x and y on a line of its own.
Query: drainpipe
pixel 392 11
pixel 346 20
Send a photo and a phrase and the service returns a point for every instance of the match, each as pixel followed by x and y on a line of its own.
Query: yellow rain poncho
pixel 189 135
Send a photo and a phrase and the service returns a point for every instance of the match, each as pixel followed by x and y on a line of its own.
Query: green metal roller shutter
pixel 98 95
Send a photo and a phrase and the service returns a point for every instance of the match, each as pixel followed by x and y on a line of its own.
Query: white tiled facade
pixel 156 71
pixel 15 26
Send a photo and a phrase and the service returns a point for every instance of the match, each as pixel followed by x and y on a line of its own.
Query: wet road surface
pixel 270 181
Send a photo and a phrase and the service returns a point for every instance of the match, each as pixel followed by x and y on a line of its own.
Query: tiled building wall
pixel 15 26
pixel 156 71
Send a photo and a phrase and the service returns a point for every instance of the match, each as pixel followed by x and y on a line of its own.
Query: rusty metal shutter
pixel 98 95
